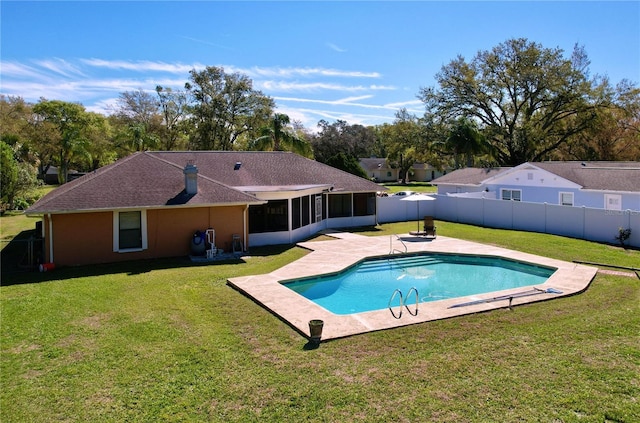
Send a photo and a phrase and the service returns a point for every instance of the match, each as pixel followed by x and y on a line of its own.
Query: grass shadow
pixel 134 267
pixel 17 253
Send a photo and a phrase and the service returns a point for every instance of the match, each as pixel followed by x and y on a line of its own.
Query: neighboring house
pixel 423 172
pixel 604 185
pixel 150 204
pixel 379 170
pixel 51 175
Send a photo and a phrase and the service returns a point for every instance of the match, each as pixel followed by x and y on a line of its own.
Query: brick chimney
pixel 191 178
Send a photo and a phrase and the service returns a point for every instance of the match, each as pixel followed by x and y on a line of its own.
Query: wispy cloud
pixel 306 72
pixel 310 117
pixel 255 71
pixel 284 86
pixel 408 103
pixel 142 66
pixel 336 48
pixel 97 83
pixel 197 40
pixel 61 67
pixel 352 101
pixel 19 70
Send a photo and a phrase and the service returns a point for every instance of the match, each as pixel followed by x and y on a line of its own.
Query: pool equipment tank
pixel 198 243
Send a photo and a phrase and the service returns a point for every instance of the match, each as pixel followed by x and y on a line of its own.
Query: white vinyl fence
pixel 576 222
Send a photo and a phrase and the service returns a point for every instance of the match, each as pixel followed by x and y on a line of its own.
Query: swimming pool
pixel 371 283
pixel 333 256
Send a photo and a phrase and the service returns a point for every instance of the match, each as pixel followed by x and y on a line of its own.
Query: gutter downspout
pixel 244 226
pixel 50 239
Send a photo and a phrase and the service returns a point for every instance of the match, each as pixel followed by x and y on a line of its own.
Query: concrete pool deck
pixel 335 255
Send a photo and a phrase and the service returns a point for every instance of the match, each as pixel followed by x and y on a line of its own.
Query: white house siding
pixel 426 175
pixel 457 189
pixel 586 198
pixel 541 186
pixel 291 237
pixel 385 175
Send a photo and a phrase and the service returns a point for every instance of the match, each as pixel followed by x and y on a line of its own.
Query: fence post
pixel 484 211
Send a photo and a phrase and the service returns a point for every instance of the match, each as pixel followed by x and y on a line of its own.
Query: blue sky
pixel 355 61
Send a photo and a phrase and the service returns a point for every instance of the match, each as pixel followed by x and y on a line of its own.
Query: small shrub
pixel 623 235
pixel 20 203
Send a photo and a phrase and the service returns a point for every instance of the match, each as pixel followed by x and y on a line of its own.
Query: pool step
pixel 396 263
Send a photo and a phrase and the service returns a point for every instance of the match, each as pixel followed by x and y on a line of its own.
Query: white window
pixel 511 194
pixel 566 198
pixel 129 231
pixel 612 202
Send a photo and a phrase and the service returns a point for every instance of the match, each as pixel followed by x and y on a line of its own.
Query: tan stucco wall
pixel 87 238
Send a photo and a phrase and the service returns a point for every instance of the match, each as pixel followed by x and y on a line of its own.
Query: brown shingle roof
pixel 272 168
pixel 155 179
pixel 604 176
pixel 469 175
pixel 373 163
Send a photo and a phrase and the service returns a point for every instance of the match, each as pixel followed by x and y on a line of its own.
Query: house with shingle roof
pixel 151 204
pixel 380 170
pixel 603 185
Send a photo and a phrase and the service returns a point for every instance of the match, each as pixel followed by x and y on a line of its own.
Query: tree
pixel 340 137
pixel 278 136
pixel 465 140
pixel 528 100
pixel 174 108
pixel 17 179
pixel 8 176
pixel 15 128
pixel 406 142
pixel 14 115
pixel 137 121
pixel 615 130
pixel 100 150
pixel 347 163
pixel 225 108
pixel 69 123
pixel 138 106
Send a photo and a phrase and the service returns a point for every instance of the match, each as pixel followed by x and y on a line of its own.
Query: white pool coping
pixel 335 255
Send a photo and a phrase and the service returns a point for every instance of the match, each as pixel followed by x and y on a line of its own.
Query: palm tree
pixel 465 139
pixel 277 135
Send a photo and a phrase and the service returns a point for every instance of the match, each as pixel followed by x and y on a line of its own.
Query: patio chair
pixel 429 226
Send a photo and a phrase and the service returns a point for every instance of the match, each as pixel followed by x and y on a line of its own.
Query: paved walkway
pixel 335 255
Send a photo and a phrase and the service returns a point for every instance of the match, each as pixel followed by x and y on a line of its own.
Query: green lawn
pixel 167 340
pixel 411 186
pixel 13 223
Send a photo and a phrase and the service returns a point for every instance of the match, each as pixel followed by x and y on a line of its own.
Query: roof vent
pixel 237 166
pixel 191 178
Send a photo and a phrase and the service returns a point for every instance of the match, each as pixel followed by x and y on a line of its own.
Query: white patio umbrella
pixel 418 198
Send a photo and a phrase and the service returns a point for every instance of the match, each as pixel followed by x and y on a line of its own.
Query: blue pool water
pixel 370 284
